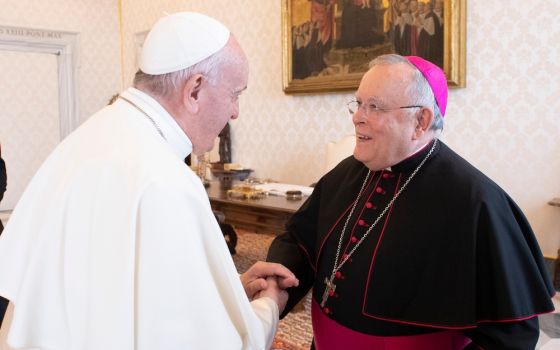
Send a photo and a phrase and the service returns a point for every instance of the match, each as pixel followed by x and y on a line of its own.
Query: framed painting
pixel 328 44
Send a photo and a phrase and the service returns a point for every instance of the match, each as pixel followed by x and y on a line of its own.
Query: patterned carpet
pixel 294 331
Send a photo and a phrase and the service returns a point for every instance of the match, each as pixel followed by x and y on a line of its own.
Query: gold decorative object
pixel 203 165
pixel 246 192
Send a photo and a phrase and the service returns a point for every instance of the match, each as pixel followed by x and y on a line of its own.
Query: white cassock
pixel 114 245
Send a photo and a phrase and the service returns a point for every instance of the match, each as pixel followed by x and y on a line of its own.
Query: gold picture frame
pixel 340 66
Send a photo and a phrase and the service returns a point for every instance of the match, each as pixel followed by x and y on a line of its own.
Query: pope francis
pixel 113 245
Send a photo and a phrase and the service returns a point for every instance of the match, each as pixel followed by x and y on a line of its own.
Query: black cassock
pixel 3 184
pixel 453 252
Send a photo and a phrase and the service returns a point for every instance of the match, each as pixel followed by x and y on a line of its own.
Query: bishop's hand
pixel 254 279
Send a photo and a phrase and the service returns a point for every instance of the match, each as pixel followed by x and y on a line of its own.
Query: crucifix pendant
pixel 329 286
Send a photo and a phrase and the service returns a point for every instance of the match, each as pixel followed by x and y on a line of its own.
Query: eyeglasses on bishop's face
pixel 371 108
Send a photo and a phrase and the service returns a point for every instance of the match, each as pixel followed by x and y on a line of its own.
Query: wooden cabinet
pixel 268 214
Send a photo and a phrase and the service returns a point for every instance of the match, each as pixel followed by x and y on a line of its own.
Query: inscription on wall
pixel 34 35
pixel 30 33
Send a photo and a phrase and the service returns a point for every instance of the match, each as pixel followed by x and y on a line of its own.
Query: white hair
pixel 165 85
pixel 419 91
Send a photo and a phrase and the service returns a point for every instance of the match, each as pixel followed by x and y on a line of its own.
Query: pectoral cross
pixel 329 286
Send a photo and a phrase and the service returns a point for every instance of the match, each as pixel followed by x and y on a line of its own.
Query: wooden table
pixel 268 214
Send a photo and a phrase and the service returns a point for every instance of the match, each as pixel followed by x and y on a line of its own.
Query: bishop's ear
pixel 424 120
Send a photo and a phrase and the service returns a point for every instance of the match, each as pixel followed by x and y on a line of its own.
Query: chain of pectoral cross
pixel 158 129
pixel 330 287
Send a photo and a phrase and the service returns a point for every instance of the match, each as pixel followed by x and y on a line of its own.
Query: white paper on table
pixel 279 189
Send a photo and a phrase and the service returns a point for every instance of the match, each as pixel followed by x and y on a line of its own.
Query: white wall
pixel 506 122
pixel 30 131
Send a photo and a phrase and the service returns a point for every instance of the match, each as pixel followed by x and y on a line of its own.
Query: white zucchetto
pixel 179 40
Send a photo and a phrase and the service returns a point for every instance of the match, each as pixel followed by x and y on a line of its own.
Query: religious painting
pixel 328 44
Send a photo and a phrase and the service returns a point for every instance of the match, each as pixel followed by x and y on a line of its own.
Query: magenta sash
pixel 329 335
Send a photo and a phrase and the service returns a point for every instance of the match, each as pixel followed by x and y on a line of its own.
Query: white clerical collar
pixel 419 149
pixel 413 153
pixel 172 132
